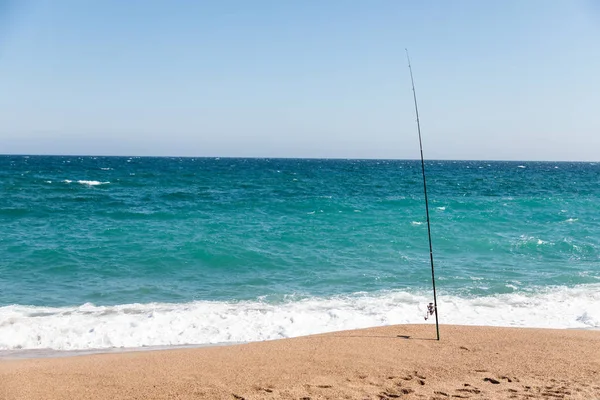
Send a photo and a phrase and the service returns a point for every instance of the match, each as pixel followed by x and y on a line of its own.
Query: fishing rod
pixel 432 307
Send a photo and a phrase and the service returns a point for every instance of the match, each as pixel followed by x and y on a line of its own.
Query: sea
pixel 140 252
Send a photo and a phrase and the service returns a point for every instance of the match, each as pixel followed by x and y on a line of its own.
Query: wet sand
pixel 404 362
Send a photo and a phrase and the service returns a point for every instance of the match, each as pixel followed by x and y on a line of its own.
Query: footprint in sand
pixel 469 390
pixel 491 380
pixel 419 376
pixel 267 389
pixel 387 395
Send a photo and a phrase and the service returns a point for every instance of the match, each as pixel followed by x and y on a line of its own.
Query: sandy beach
pixel 378 363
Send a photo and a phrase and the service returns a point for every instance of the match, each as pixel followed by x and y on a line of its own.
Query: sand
pixel 380 363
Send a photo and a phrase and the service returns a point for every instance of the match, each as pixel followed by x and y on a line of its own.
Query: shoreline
pixel 29 354
pixel 31 332
pixel 374 363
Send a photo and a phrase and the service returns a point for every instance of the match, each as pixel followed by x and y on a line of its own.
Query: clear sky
pixel 513 79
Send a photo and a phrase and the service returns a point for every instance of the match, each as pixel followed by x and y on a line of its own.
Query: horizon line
pixel 292 158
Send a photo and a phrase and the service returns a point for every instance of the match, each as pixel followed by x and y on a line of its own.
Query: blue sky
pixel 495 79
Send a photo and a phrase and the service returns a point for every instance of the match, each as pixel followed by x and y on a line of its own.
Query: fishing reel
pixel 430 310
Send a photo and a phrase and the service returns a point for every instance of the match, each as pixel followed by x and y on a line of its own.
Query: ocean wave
pixel 204 322
pixel 92 183
pixel 86 182
pixel 529 240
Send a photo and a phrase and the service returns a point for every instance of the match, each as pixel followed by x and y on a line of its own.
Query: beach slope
pixel 379 363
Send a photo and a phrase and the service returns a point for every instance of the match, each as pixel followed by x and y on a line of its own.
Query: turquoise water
pixel 102 239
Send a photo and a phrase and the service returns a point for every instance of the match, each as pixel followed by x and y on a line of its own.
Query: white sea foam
pixel 524 240
pixel 87 183
pixel 92 183
pixel 203 322
pixel 416 223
